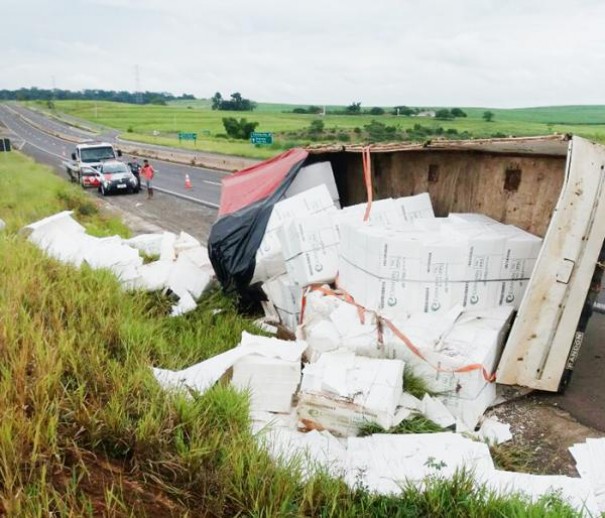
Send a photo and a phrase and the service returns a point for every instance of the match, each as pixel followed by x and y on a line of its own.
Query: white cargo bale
pixel 342 391
pixel 331 323
pixel 471 218
pixel 384 213
pixel 201 376
pixel 286 298
pixel 416 207
pixel 271 382
pixel 269 258
pixel 310 248
pixel 450 343
pixel 312 176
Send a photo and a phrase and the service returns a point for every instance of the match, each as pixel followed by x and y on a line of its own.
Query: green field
pixel 140 122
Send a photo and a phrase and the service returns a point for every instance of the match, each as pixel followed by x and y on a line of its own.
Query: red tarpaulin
pixel 257 182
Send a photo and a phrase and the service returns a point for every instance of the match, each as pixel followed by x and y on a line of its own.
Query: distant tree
pixel 299 110
pixel 457 112
pixel 379 132
pixel 217 101
pixel 488 116
pixel 316 127
pixel 239 129
pixel 443 114
pixel 315 109
pixel 353 109
pixel 403 110
pixel 377 111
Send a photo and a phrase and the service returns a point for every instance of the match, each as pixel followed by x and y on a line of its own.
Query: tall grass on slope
pixel 86 431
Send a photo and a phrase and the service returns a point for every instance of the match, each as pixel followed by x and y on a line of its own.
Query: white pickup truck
pixel 87 159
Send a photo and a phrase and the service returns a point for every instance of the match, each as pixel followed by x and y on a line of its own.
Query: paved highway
pixel 46 148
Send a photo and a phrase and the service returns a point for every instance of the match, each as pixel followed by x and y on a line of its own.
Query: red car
pixel 89 177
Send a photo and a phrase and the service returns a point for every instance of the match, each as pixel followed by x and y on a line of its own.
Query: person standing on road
pixel 135 167
pixel 148 173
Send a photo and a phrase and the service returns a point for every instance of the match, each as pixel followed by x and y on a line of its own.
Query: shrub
pixel 239 129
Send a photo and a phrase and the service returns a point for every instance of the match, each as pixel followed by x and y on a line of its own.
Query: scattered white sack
pixel 187 276
pixel 152 276
pixel 468 412
pixel 384 463
pixel 494 432
pixel 202 376
pixel 185 242
pixel 111 253
pixel 185 304
pixel 436 411
pixel 590 460
pixel 2 225
pixel 149 244
pixel 261 324
pixel 167 252
pixel 341 392
pixel 575 491
pixel 315 450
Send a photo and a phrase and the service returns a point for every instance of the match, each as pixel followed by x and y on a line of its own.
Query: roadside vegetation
pixel 86 431
pixel 299 125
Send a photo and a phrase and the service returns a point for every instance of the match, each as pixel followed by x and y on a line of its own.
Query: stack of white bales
pixel 433 265
pixel 301 242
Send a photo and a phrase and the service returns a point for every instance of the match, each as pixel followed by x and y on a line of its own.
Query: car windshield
pixel 115 167
pixel 96 154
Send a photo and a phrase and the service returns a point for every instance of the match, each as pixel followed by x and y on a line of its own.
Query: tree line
pixel 120 96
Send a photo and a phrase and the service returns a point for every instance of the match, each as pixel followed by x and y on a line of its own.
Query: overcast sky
pixel 497 53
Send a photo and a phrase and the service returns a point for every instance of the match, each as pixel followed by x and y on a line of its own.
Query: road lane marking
pixel 212 182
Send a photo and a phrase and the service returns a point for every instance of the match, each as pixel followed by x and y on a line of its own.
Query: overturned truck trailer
pixel 549 186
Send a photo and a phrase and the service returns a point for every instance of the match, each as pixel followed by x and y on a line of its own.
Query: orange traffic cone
pixel 187 182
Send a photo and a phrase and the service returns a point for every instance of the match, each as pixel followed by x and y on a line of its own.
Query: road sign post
pixel 261 138
pixel 188 136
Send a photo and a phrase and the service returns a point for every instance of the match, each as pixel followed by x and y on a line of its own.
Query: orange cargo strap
pixel 381 322
pixel 467 368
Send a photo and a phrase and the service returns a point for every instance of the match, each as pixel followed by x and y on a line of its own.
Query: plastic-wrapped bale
pixel 330 323
pixel 341 392
pixel 310 248
pixel 285 297
pixel 270 261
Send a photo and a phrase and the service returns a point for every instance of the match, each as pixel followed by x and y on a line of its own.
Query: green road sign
pixel 261 138
pixel 187 136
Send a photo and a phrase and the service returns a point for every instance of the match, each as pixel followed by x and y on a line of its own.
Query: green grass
pixel 139 122
pixel 86 431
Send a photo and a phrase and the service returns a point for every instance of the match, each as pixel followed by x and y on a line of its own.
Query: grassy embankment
pixel 86 431
pixel 139 122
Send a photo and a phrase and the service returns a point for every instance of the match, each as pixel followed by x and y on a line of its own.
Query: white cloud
pixel 435 52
